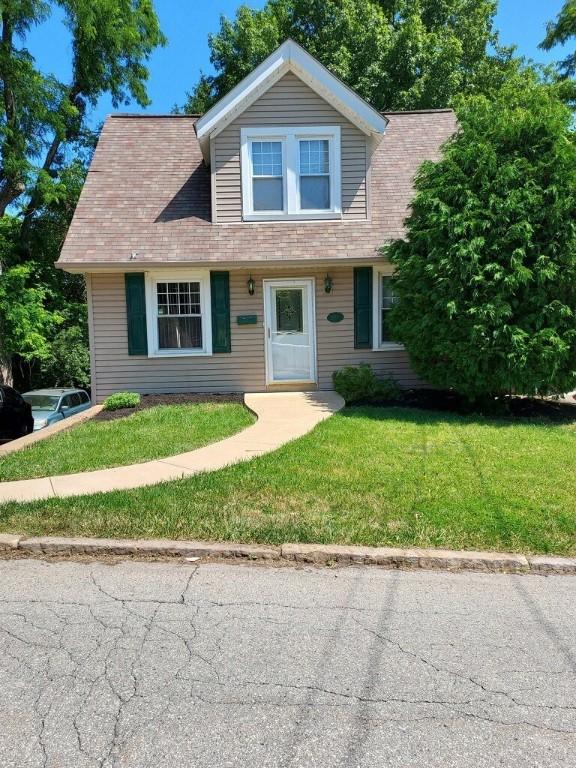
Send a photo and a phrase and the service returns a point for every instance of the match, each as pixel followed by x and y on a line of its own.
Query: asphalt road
pixel 169 665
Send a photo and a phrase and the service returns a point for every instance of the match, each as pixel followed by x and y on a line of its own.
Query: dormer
pixel 290 142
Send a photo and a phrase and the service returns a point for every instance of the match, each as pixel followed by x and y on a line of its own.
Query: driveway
pixel 165 665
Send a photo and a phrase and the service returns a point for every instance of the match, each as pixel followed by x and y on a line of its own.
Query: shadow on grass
pixel 561 415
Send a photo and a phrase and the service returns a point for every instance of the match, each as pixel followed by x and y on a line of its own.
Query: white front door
pixel 290 328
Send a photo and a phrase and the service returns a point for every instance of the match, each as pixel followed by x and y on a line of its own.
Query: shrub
pixel 486 277
pixel 121 400
pixel 356 383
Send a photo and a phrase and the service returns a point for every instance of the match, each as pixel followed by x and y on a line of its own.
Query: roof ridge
pixel 416 111
pixel 155 115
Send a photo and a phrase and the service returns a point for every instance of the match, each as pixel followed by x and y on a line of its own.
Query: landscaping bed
pixel 153 430
pixel 369 475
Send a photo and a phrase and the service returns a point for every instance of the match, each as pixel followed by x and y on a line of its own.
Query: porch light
pixel 251 285
pixel 328 284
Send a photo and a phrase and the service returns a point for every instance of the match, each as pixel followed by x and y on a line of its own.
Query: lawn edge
pixel 43 434
pixel 311 554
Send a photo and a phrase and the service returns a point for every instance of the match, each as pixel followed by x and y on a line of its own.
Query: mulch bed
pixel 150 401
pixel 509 407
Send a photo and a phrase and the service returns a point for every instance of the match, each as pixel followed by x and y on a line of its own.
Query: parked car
pixel 52 405
pixel 15 414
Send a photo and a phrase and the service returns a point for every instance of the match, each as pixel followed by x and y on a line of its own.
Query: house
pixel 239 251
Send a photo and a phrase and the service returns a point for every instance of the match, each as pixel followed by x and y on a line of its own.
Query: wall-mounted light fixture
pixel 251 285
pixel 328 283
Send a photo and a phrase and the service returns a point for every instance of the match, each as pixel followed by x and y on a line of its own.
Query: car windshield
pixel 42 402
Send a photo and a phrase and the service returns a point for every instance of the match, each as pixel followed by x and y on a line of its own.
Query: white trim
pixel 288 57
pixel 162 276
pixel 377 344
pixel 310 283
pixel 91 337
pixel 290 159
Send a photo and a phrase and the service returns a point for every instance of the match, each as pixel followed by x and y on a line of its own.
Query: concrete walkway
pixel 282 417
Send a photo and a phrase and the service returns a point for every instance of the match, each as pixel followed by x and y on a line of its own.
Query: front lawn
pixel 376 476
pixel 153 433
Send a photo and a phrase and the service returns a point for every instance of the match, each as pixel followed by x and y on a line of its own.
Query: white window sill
pixel 312 216
pixel 389 346
pixel 180 353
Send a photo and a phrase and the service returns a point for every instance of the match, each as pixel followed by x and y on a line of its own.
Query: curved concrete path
pixel 281 417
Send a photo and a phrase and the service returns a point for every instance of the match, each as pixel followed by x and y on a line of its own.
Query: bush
pixel 486 277
pixel 356 383
pixel 121 400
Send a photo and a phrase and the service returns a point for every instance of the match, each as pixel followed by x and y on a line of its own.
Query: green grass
pixel 376 476
pixel 152 433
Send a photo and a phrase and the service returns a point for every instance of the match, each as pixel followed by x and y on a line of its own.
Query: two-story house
pixel 239 251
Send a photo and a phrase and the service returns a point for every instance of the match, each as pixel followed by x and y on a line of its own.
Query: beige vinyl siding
pixel 289 102
pixel 244 368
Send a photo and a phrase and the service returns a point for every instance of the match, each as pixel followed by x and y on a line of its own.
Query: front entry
pixel 290 327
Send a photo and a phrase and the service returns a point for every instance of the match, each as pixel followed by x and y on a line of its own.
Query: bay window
pixel 291 173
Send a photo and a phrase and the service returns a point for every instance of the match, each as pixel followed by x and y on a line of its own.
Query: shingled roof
pixel 148 193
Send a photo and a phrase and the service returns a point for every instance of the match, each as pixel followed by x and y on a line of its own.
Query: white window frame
pixel 291 168
pixel 196 276
pixel 377 344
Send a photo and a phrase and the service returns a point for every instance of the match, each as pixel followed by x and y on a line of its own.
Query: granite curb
pixel 312 554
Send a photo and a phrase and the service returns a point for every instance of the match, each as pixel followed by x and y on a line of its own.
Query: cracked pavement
pixel 153 665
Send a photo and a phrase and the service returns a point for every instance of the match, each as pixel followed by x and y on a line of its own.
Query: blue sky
pixel 187 23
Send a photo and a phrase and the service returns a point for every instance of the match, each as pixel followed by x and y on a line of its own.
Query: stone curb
pixel 317 554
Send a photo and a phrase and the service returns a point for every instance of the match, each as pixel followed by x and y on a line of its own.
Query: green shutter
pixel 136 313
pixel 220 295
pixel 363 307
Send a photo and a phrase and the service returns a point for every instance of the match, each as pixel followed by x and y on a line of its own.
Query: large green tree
pixel 45 145
pixel 486 275
pixel 559 32
pixel 397 54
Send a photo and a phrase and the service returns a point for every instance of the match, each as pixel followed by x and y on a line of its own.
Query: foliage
pixel 559 32
pixel 68 361
pixel 486 276
pixel 24 320
pixel 360 383
pixel 397 54
pixel 121 400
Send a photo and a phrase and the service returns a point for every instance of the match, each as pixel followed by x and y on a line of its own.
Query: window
pixel 314 174
pixel 384 299
pixel 178 314
pixel 291 173
pixel 387 301
pixel 267 176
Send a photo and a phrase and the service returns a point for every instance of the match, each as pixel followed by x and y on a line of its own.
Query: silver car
pixel 52 405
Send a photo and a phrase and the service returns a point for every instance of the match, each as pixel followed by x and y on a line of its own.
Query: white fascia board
pixel 288 57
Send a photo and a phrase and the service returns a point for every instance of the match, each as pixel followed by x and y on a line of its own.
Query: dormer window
pixel 267 175
pixel 291 173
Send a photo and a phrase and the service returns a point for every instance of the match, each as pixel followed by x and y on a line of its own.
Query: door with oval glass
pixel 290 331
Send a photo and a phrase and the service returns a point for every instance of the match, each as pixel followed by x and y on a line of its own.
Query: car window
pixel 84 397
pixel 42 402
pixel 75 399
pixel 66 402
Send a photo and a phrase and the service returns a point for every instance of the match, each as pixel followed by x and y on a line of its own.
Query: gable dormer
pixel 290 142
